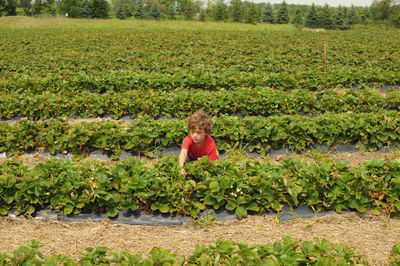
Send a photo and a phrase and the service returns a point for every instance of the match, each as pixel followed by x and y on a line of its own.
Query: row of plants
pixel 249 187
pixel 180 103
pixel 112 58
pixel 144 135
pixel 288 252
pixel 121 81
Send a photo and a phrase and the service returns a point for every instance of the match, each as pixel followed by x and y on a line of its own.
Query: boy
pixel 198 143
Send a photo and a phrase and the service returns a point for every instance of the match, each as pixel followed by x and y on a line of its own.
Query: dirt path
pixel 371 236
pixel 354 159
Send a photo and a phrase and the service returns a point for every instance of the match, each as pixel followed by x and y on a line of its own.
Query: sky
pixel 321 2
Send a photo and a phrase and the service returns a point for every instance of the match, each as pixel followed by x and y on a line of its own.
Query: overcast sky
pixel 321 2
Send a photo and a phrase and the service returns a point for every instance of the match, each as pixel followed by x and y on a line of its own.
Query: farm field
pixel 128 87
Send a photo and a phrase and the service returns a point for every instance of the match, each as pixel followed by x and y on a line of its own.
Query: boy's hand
pixel 183 172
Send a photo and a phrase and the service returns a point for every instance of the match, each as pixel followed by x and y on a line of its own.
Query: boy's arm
pixel 182 156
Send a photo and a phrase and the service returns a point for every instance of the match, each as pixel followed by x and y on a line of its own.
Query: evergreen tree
pixel 326 18
pixel 283 14
pixel 99 8
pixel 120 11
pixel 351 16
pixel 139 11
pixel 11 8
pixel 236 11
pixel 202 16
pixel 312 18
pixel 188 11
pixel 155 12
pixel 220 11
pixel 2 7
pixel 365 15
pixel 267 14
pixel 251 16
pixel 25 4
pixel 171 11
pixel 72 8
pixel 86 11
pixel 340 20
pixel 297 19
pixel 38 7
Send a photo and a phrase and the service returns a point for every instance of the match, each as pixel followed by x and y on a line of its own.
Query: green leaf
pixel 241 212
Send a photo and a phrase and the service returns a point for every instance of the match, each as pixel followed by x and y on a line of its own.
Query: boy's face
pixel 198 135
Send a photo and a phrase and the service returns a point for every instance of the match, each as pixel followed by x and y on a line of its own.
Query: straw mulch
pixel 368 235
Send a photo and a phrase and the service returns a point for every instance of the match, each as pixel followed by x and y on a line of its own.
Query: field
pixel 127 88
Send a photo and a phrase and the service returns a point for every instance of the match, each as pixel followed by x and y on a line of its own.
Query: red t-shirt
pixel 207 148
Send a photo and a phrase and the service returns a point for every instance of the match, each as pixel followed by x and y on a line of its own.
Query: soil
pixel 368 235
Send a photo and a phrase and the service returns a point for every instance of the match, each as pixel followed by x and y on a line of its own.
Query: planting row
pixel 75 187
pixel 126 81
pixel 123 59
pixel 180 103
pixel 287 252
pixel 365 130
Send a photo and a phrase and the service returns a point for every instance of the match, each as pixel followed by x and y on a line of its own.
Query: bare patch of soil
pixel 371 236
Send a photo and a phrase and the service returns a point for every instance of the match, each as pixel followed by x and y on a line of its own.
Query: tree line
pixel 313 16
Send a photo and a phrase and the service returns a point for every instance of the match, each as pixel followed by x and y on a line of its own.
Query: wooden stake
pixel 325 55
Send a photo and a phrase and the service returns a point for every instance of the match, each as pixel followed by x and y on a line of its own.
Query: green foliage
pixel 380 9
pixel 248 187
pixel 236 10
pixel 202 16
pixel 252 14
pixel 171 12
pixel 180 102
pixel 297 19
pixel 341 22
pixel 286 61
pixel 155 12
pixel 139 10
pixel 287 252
pixel 86 11
pixel 99 8
pixel 221 11
pixel 10 7
pixel 283 14
pixel 326 18
pixel 394 258
pixel 72 8
pixel 267 14
pixel 312 18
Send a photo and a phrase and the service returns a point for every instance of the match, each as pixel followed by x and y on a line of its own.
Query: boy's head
pixel 199 125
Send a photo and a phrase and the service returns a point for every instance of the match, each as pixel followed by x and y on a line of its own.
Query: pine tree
pixel 2 7
pixel 283 14
pixel 326 18
pixel 236 11
pixel 86 12
pixel 351 17
pixel 38 7
pixel 267 14
pixel 99 8
pixel 171 11
pixel 312 18
pixel 139 10
pixel 11 8
pixel 155 12
pixel 220 11
pixel 251 16
pixel 365 15
pixel 202 16
pixel 297 19
pixel 120 11
pixel 340 20
pixel 188 11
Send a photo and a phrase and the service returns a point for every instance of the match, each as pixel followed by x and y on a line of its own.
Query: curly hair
pixel 202 120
